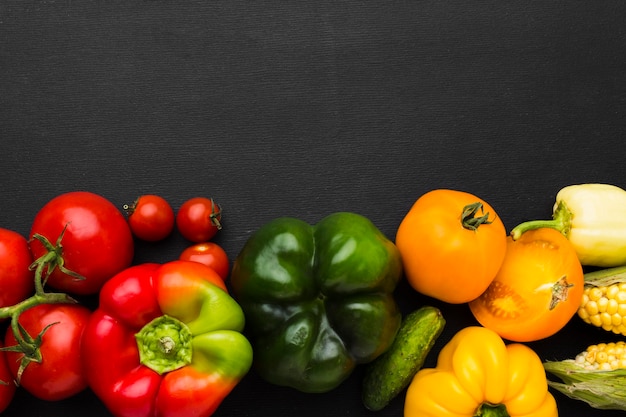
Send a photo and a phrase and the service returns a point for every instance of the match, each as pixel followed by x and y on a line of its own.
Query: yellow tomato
pixel 452 244
pixel 537 290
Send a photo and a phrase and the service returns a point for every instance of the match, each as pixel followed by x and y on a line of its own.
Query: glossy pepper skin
pixel 478 375
pixel 165 341
pixel 318 299
pixel 593 218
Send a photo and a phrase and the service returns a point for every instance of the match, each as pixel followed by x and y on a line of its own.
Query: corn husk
pixel 605 390
pixel 606 277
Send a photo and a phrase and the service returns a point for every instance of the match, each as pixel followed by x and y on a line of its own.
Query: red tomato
pixel 151 218
pixel 198 219
pixel 210 254
pixel 59 375
pixel 96 244
pixel 17 282
pixel 7 386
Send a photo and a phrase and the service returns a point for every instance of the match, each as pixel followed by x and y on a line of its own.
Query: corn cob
pixel 604 299
pixel 603 357
pixel 596 376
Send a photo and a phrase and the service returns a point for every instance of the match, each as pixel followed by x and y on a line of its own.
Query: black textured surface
pixel 306 108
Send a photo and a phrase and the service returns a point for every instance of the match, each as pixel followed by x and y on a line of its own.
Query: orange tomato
pixel 452 244
pixel 537 290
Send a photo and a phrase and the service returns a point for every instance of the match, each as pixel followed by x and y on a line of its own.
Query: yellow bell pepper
pixel 593 218
pixel 477 374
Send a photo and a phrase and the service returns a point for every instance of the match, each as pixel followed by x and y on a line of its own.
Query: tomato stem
pixel 469 219
pixel 53 258
pixel 216 215
pixel 44 265
pixel 561 221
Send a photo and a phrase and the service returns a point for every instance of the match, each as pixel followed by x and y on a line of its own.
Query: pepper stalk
pixel 593 218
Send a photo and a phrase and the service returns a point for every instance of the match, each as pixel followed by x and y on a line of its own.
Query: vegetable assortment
pixel 311 302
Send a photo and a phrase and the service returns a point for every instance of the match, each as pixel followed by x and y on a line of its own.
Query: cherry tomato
pixel 96 240
pixel 17 281
pixel 210 254
pixel 537 290
pixel 198 219
pixel 59 375
pixel 150 217
pixel 7 386
pixel 452 244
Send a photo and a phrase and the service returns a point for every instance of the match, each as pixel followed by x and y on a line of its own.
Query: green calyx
pixel 164 344
pixel 561 221
pixel 490 410
pixel 469 219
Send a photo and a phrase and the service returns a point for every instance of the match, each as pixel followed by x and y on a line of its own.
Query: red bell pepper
pixel 165 341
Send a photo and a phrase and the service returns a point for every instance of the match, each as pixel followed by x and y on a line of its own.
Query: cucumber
pixel 391 372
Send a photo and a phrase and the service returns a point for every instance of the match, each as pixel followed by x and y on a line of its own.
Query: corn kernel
pixel 612 306
pixel 603 356
pixel 595 293
pixel 612 291
pixel 602 304
pixel 595 320
pixel 592 308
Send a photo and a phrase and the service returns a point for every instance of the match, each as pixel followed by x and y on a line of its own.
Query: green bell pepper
pixel 318 299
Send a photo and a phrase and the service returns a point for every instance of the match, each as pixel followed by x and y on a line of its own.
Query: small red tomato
pixel 150 217
pixel 198 219
pixel 210 254
pixel 59 375
pixel 17 281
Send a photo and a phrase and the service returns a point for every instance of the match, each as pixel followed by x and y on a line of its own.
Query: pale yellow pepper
pixel 593 218
pixel 477 374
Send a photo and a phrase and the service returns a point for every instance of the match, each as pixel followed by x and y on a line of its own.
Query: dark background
pixel 306 108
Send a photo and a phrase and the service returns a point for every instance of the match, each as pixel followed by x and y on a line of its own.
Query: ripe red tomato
pixel 210 254
pixel 198 219
pixel 17 281
pixel 7 386
pixel 150 217
pixel 96 240
pixel 59 375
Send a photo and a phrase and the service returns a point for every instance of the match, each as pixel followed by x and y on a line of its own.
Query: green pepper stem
pixel 490 410
pixel 561 221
